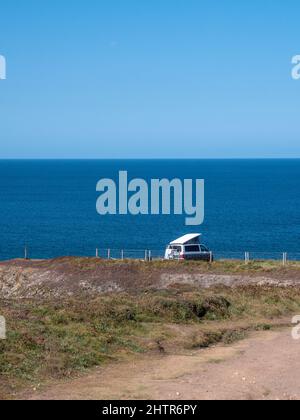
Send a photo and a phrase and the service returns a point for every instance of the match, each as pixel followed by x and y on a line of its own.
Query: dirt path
pixel 264 366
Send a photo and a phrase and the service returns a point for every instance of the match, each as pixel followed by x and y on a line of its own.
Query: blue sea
pixel 50 207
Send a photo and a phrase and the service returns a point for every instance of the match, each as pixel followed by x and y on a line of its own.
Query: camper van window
pixel 192 248
pixel 176 248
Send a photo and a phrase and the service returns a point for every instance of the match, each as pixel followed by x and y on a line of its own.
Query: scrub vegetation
pixel 52 339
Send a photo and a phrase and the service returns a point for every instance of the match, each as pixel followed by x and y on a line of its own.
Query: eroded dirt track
pixel 264 366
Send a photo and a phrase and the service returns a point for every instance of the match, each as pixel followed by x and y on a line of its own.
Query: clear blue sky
pixel 141 78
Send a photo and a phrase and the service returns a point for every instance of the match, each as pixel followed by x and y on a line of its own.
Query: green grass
pixel 55 339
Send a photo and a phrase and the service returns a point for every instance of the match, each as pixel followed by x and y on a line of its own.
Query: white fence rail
pixel 158 254
pixel 246 256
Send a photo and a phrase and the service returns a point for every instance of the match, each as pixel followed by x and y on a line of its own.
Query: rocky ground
pixel 65 277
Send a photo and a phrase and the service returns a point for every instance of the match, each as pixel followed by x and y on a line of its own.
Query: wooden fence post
pixel 284 259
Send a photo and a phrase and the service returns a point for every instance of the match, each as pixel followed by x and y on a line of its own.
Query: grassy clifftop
pixel 56 338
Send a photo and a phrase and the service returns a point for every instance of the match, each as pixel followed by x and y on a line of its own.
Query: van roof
pixel 186 238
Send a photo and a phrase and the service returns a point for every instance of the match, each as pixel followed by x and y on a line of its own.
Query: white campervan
pixel 188 247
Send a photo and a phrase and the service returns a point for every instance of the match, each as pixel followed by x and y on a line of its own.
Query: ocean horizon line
pixel 152 159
